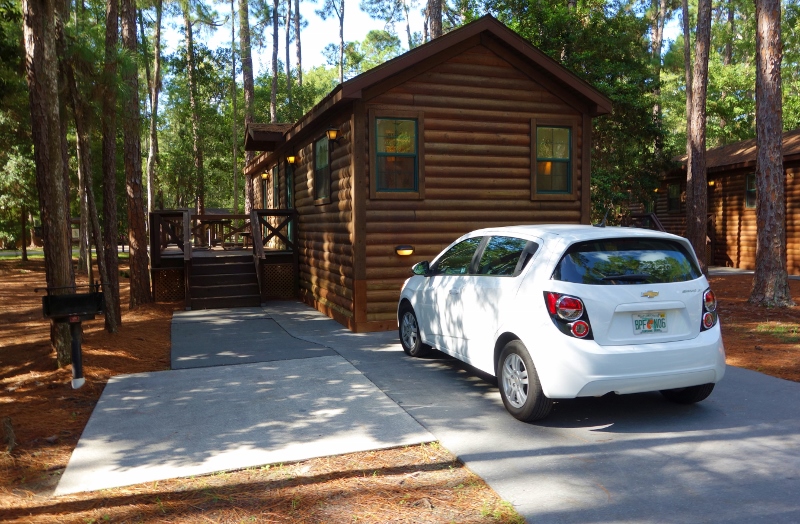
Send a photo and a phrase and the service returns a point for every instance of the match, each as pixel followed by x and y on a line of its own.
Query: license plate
pixel 650 322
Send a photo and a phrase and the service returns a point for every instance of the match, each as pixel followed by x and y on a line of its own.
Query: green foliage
pixel 359 57
pixel 17 172
pixel 605 45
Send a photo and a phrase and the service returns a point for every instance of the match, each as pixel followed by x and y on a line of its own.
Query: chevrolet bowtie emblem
pixel 650 294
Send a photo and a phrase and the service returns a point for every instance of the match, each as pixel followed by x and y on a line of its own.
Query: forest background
pixel 617 46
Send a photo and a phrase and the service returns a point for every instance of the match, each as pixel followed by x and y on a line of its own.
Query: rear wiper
pixel 636 277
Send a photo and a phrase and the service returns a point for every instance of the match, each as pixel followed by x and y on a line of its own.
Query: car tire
pixel 688 395
pixel 410 337
pixel 519 384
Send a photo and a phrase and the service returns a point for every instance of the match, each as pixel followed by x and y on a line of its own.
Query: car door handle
pixel 455 291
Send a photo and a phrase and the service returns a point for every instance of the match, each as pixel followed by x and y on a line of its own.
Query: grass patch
pixel 786 332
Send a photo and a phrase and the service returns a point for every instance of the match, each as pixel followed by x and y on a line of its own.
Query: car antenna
pixel 603 223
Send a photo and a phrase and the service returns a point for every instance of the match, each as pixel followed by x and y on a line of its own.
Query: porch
pixel 220 261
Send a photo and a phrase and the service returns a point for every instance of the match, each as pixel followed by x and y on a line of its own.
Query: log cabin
pixel 477 128
pixel 732 228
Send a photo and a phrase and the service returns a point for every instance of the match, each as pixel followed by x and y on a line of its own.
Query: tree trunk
pixel 728 54
pixel 341 43
pixel 658 40
pixel 435 17
pixel 197 145
pixel 288 62
pixel 770 281
pixel 696 189
pixel 137 235
pixel 80 112
pixel 249 91
pixel 108 120
pixel 23 222
pixel 297 42
pixel 273 99
pixel 687 65
pixel 235 113
pixel 41 67
pixel 408 25
pixel 155 87
pixel 81 150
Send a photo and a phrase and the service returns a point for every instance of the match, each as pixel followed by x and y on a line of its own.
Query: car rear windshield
pixel 620 261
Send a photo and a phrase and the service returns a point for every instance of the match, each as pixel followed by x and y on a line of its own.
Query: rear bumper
pixel 580 368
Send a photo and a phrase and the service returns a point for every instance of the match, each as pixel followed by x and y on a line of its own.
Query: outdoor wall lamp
pixel 264 175
pixel 291 159
pixel 711 183
pixel 404 250
pixel 333 134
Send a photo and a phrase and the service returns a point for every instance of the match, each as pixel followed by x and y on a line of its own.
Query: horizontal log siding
pixel 324 232
pixel 477 112
pixel 735 229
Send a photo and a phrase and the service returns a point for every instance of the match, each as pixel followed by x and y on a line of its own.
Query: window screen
pixel 322 171
pixel 750 192
pixel 396 154
pixel 553 160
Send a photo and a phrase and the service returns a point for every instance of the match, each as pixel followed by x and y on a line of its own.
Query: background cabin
pixel 732 229
pixel 477 128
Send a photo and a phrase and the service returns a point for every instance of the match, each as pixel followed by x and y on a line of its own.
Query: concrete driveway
pixel 734 458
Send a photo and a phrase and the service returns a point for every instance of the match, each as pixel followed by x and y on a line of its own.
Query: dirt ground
pixel 420 484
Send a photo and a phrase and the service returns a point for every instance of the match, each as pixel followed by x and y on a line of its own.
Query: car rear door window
pixel 503 256
pixel 457 259
pixel 619 261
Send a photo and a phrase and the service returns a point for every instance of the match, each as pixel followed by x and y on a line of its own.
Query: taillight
pixel 568 314
pixel 709 310
pixel 709 301
pixel 569 308
pixel 580 329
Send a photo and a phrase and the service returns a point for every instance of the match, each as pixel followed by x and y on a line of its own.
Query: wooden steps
pixel 224 282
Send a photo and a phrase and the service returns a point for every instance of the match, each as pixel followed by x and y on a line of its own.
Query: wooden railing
pixel 168 227
pixel 273 230
pixel 274 242
pixel 644 220
pixel 219 230
pixel 175 233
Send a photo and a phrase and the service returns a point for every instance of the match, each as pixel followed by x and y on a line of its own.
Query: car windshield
pixel 619 261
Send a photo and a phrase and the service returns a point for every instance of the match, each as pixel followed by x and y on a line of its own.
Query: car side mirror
pixel 421 268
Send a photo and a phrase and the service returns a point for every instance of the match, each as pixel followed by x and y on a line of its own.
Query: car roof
pixel 570 233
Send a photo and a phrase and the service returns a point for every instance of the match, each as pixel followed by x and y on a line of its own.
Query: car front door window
pixel 443 308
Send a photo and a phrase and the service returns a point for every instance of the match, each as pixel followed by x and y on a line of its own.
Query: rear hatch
pixel 635 290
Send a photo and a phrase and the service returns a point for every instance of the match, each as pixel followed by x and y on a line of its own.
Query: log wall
pixel 478 111
pixel 734 226
pixel 325 231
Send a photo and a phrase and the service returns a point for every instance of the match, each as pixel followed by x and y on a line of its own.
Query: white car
pixel 565 311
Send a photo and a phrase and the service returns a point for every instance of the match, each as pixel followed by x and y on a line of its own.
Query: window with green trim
pixel 750 192
pixel 674 197
pixel 396 154
pixel 553 159
pixel 289 186
pixel 322 171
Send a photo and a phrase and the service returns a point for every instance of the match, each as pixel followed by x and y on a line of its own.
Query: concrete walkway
pixel 734 458
pixel 247 394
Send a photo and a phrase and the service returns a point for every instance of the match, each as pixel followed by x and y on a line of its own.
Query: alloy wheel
pixel 515 380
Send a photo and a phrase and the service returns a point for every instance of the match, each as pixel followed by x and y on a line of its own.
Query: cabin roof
pixel 743 154
pixel 264 137
pixel 596 103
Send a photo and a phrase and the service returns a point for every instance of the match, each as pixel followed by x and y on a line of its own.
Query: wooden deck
pixel 204 266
